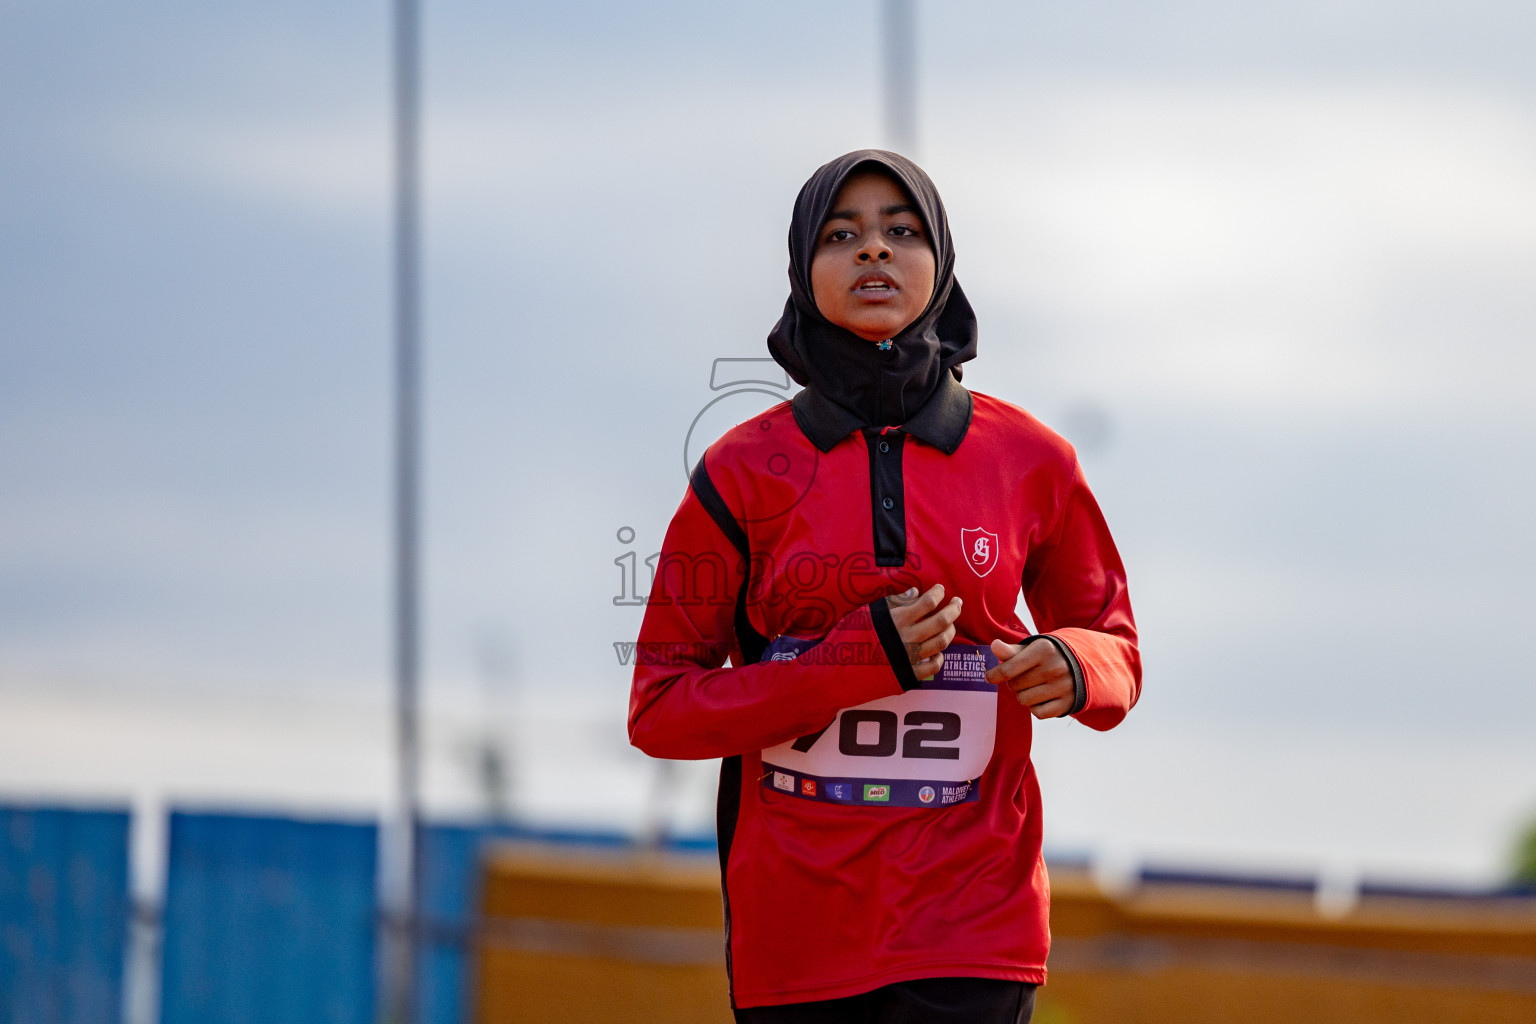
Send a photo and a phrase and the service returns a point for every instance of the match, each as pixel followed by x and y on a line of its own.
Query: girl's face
pixel 873 269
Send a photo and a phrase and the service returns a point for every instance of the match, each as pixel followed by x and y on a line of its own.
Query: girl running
pixel 857 555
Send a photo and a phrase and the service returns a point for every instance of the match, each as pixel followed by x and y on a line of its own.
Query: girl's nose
pixel 873 251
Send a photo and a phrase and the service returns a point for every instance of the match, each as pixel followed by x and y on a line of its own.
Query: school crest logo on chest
pixel 980 548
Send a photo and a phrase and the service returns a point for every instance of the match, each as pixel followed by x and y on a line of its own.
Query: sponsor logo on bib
pixel 878 793
pixel 784 782
pixel 980 548
pixel 926 794
pixel 807 787
pixel 955 794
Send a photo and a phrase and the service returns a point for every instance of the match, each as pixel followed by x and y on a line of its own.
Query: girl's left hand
pixel 1038 675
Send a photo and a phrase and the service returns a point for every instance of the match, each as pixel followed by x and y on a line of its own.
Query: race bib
pixel 922 748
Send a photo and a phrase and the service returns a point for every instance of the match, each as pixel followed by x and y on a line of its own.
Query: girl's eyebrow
pixel 889 211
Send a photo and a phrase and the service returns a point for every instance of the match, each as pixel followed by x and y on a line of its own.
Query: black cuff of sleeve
pixel 890 641
pixel 1079 687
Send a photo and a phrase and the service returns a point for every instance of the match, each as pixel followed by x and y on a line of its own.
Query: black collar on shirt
pixel 942 421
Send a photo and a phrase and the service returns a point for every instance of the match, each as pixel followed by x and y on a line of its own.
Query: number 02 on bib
pixel 926 747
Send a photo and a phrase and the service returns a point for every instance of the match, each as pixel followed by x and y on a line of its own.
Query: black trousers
pixel 926 1001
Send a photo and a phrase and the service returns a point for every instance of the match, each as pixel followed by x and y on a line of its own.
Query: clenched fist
pixel 925 627
pixel 1038 675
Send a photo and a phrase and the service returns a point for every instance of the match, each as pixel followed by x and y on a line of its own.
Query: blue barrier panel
pixel 449 883
pixel 450 880
pixel 64 909
pixel 268 920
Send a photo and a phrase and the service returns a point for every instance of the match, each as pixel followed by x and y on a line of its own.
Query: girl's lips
pixel 875 286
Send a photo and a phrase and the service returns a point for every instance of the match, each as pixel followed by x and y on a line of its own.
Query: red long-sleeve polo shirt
pixel 798 524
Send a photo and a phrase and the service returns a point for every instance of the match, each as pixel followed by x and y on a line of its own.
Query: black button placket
pixel 886 494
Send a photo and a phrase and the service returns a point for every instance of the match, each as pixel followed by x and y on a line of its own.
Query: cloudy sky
pixel 1269 266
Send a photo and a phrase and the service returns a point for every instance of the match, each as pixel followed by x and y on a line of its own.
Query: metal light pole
pixel 899 24
pixel 401 996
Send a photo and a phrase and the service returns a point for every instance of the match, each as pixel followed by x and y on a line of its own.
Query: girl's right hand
pixel 927 626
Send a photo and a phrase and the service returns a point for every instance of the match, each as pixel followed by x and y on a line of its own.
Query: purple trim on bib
pixel 869 792
pixel 965 665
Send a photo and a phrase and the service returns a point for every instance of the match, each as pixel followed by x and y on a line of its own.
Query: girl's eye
pixel 903 230
pixel 840 235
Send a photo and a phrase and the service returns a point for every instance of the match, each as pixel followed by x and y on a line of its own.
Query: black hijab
pixel 877 388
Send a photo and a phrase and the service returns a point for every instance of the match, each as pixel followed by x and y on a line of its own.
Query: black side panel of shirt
pixel 752 644
pixel 748 639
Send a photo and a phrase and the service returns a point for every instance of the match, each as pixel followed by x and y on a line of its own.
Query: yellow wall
pixel 1192 955
pixel 585 937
